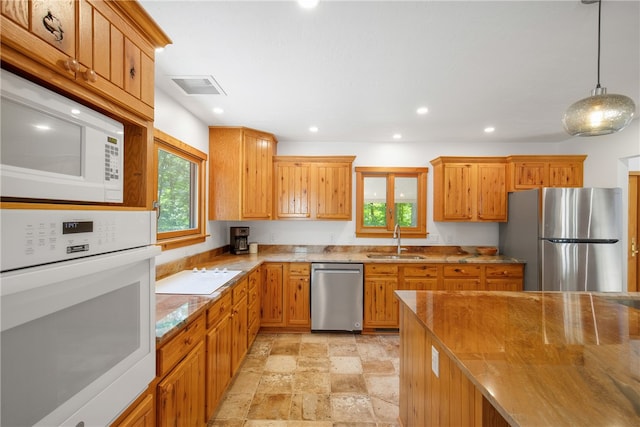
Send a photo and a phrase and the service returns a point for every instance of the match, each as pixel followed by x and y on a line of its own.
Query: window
pixel 389 196
pixel 180 192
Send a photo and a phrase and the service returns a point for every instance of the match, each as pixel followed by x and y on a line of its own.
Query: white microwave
pixel 53 148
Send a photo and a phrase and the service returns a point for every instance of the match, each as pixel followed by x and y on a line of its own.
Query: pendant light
pixel 601 113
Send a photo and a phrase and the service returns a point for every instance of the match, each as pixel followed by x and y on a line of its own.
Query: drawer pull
pixel 188 341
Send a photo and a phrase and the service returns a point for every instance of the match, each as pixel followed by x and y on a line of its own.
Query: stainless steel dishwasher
pixel 337 295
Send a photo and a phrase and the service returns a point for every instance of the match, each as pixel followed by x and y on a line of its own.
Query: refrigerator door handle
pixel 561 240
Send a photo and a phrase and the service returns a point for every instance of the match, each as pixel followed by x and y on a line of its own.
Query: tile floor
pixel 315 380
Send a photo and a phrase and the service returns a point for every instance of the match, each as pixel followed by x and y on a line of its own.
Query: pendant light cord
pixel 599 15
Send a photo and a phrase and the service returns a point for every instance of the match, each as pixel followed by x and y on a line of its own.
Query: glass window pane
pixel 375 202
pixel 406 201
pixel 177 178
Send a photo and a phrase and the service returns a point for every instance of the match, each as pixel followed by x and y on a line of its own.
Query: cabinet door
pixel 492 192
pixel 142 416
pixel 333 191
pixel 565 174
pixel 54 21
pixel 457 201
pixel 298 294
pixel 380 305
pixel 292 180
pixel 272 295
pixel 257 176
pixel 181 392
pixel 240 326
pixel 223 356
pixel 528 175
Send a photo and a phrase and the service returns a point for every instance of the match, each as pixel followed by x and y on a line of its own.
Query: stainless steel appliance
pixel 569 238
pixel 239 240
pixel 337 295
pixel 77 314
pixel 54 148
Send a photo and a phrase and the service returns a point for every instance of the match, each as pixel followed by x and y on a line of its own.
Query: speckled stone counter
pixel 174 311
pixel 540 359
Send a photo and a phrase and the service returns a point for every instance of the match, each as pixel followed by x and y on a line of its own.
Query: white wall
pixel 606 166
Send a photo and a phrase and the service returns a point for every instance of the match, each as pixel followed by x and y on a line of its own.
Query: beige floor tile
pixel 348 383
pixel 343 349
pixel 354 424
pixel 385 411
pixel 246 382
pixel 288 337
pixel 312 382
pixel 226 423
pixel 288 348
pixel 266 423
pixel 234 406
pixel 313 364
pixel 372 351
pixel 273 383
pixel 281 363
pixel 313 349
pixel 315 338
pixel 384 387
pixel 345 365
pixel 310 407
pixel 378 367
pixel 270 407
pixel 254 363
pixel 260 348
pixel 351 408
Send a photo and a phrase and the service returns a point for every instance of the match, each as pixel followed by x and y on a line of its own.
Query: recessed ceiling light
pixel 489 129
pixel 313 129
pixel 397 136
pixel 308 4
pixel 422 110
pixel 159 49
pixel 218 110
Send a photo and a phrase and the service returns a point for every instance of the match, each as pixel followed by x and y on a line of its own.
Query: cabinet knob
pixel 72 65
pixel 90 75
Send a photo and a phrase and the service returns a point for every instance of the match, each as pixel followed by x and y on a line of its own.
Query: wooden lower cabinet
pixel 142 413
pixel 381 280
pixel 218 341
pixel 239 331
pixel 272 295
pixel 253 301
pixel 298 293
pixel 181 396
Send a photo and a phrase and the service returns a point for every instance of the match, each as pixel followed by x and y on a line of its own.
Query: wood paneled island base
pixel 474 358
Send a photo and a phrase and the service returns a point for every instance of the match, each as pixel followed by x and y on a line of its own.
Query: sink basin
pixel 394 256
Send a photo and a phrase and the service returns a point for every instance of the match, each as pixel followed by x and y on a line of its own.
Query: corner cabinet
pixel 470 189
pixel 529 172
pixel 313 187
pixel 96 44
pixel 240 173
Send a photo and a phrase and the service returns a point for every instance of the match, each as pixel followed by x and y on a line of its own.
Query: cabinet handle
pixel 72 65
pixel 132 72
pixel 90 75
pixel 188 341
pixel 634 248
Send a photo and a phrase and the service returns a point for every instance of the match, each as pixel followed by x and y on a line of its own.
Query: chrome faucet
pixel 396 235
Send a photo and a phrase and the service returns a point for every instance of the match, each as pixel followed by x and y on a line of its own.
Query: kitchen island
pixel 520 359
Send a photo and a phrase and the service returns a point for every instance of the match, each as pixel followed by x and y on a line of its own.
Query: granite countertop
pixel 175 311
pixel 542 358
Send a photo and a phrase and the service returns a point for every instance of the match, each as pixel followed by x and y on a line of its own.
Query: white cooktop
pixel 195 282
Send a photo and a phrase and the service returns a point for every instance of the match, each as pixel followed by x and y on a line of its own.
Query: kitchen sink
pixel 394 256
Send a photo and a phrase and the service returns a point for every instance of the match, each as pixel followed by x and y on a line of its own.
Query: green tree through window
pixel 176 188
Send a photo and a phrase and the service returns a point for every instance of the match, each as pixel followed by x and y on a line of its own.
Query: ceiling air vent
pixel 198 85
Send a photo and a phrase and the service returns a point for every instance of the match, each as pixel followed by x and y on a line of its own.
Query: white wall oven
pixel 77 314
pixel 57 149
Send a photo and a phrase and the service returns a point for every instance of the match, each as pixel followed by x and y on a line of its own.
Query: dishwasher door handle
pixel 337 271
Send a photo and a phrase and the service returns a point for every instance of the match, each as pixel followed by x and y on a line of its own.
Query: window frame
pixel 420 230
pixel 179 238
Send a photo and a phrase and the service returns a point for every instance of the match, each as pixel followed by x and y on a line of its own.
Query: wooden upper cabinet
pixel 313 187
pixel 528 172
pixel 241 177
pixel 105 46
pixel 469 189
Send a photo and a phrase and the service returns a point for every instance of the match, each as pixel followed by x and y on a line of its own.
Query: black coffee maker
pixel 239 240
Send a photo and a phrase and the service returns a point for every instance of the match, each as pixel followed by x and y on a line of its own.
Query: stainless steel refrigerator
pixel 569 238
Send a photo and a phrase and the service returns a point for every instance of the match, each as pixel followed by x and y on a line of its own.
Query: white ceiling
pixel 359 70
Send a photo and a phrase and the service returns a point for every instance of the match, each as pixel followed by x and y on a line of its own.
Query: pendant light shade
pixel 601 113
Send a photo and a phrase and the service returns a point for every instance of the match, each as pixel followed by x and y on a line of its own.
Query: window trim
pixel 176 239
pixel 420 231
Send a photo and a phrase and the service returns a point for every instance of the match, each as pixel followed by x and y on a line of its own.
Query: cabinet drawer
pixel 375 269
pixel 219 309
pixel 254 294
pixel 178 347
pixel 461 270
pixel 254 311
pixel 504 270
pixel 239 291
pixel 299 269
pixel 420 271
